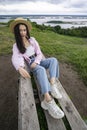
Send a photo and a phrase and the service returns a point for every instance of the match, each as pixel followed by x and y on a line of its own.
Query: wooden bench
pixel 27 113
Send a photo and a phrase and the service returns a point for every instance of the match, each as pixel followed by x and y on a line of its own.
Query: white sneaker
pixel 52 108
pixel 55 92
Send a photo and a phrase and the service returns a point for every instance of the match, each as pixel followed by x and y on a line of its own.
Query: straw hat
pixel 20 20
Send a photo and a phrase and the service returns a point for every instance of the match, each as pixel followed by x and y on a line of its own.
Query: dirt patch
pixel 9 91
pixel 8 94
pixel 74 87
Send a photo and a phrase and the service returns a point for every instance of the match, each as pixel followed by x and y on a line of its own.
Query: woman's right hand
pixel 23 72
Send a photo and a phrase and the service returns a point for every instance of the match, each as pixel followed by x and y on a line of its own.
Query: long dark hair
pixel 18 37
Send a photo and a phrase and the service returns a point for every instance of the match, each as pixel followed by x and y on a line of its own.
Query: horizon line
pixel 45 14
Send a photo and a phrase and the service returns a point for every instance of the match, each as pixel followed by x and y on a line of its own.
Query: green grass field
pixel 67 49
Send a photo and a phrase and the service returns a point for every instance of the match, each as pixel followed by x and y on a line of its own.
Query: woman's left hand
pixel 33 65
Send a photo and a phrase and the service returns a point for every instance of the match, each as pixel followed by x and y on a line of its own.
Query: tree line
pixel 78 32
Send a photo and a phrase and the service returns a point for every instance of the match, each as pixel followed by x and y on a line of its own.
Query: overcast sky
pixel 57 7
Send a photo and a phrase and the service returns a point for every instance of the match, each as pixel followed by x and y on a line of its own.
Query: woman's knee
pixel 39 71
pixel 42 69
pixel 54 60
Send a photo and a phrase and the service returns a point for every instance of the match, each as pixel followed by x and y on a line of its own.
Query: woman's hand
pixel 33 65
pixel 24 73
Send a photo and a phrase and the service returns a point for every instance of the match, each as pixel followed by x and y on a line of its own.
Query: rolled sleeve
pixel 17 59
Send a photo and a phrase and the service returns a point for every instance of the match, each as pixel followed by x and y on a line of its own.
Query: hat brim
pixel 14 23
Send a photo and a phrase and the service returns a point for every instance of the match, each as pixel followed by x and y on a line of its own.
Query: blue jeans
pixel 40 73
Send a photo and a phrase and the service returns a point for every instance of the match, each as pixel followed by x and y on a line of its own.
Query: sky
pixel 35 7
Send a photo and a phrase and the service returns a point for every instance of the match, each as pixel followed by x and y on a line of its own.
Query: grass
pixel 71 50
pixel 65 48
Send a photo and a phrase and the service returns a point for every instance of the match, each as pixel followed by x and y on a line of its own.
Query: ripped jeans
pixel 40 72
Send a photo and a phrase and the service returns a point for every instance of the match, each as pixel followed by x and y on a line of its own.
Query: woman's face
pixel 23 30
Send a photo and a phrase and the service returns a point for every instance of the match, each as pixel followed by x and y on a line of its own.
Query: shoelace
pixel 55 90
pixel 53 107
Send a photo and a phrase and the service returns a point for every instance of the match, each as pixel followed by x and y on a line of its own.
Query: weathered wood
pixel 27 116
pixel 74 118
pixel 53 124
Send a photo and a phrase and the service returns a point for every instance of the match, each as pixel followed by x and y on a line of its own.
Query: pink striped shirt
pixel 18 57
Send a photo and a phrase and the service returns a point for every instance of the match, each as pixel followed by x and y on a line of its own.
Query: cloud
pixel 29 7
pixel 78 3
pixel 43 7
pixel 17 1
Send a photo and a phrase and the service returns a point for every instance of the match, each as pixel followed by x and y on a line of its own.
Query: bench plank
pixel 53 124
pixel 74 118
pixel 27 116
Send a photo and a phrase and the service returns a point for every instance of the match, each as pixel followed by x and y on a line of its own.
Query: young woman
pixel 26 49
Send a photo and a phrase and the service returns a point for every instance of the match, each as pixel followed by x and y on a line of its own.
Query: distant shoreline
pixel 42 15
pixel 65 21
